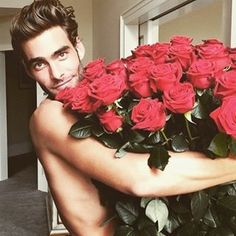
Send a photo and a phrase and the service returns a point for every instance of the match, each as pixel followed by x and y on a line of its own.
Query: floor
pixel 22 206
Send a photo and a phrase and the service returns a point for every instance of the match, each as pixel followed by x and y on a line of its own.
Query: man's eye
pixel 39 66
pixel 62 55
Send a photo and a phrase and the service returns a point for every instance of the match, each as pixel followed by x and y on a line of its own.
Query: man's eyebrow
pixel 63 48
pixel 33 60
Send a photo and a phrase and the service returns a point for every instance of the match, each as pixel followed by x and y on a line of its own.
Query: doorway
pixel 20 104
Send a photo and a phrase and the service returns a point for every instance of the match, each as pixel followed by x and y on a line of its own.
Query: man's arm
pixel 185 172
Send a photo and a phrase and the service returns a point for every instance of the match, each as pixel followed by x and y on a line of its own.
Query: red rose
pixel 117 67
pixel 140 85
pixel 225 116
pixel 110 120
pixel 164 76
pixel 81 100
pixel 179 39
pixel 180 98
pixel 201 73
pixel 143 51
pixel 140 64
pixel 214 50
pixel 232 54
pixel 148 114
pixel 94 69
pixel 225 84
pixel 65 96
pixel 183 54
pixel 160 52
pixel 107 88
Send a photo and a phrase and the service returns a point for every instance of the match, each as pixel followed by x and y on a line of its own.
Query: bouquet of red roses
pixel 166 96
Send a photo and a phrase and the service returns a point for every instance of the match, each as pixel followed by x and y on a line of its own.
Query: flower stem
pixel 165 138
pixel 188 130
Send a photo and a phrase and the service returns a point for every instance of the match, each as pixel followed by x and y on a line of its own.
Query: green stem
pixel 188 130
pixel 165 137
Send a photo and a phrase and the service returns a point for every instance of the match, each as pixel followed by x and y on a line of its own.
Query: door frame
pixel 147 10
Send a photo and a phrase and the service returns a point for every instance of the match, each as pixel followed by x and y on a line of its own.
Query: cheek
pixel 41 77
pixel 72 64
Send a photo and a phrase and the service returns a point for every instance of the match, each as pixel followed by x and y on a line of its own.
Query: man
pixel 44 35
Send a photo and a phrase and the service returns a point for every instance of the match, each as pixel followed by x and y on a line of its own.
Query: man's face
pixel 52 60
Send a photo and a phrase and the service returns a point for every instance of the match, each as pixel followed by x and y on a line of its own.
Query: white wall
pixel 3 133
pixel 84 17
pixel 14 3
pixel 106 18
pixel 5 42
pixel 203 23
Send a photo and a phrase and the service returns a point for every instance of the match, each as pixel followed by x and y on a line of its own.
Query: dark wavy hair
pixel 39 16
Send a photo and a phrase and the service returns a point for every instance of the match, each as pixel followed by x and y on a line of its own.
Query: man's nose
pixel 56 71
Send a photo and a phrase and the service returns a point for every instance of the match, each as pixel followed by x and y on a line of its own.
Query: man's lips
pixel 63 83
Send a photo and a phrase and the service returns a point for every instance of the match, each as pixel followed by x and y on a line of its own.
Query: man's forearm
pixel 188 172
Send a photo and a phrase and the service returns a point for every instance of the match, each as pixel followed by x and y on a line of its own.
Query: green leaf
pixel 233 146
pixel 121 151
pixel 219 145
pixel 221 231
pixel 232 223
pixel 149 231
pixel 97 130
pixel 199 204
pixel 188 116
pixel 189 229
pixel 211 218
pixel 157 211
pixel 144 201
pixel 200 92
pixel 110 140
pixel 81 130
pixel 154 138
pixel 124 230
pixel 135 136
pixel 228 202
pixel 146 227
pixel 199 111
pixel 158 158
pixel 127 211
pixel 179 143
pixel 137 148
pixel 172 224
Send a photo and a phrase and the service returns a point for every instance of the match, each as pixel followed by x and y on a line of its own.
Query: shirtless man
pixel 44 35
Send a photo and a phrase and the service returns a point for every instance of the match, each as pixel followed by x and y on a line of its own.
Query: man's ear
pixel 80 48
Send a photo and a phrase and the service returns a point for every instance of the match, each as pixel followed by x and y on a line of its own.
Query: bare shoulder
pixel 50 120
